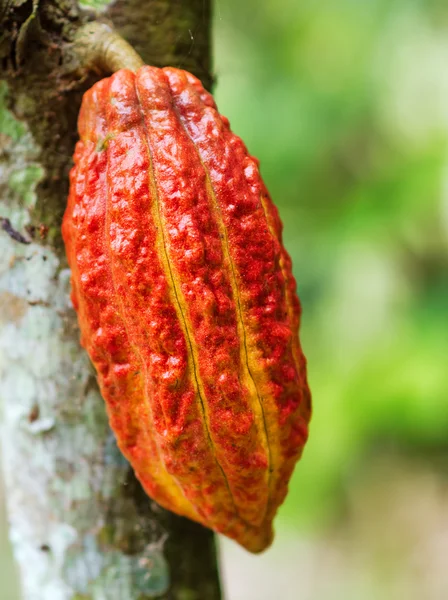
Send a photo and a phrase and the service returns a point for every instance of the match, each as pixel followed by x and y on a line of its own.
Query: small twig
pixel 5 224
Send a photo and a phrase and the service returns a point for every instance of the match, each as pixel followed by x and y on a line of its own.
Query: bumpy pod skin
pixel 186 301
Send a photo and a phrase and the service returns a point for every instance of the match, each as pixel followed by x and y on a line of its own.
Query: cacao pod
pixel 186 301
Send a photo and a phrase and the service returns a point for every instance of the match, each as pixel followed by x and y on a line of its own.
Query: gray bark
pixel 80 524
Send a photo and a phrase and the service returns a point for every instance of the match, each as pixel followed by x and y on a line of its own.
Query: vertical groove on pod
pixel 234 284
pixel 226 251
pixel 121 303
pixel 165 476
pixel 180 311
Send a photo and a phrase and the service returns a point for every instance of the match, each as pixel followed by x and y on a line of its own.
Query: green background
pixel 345 103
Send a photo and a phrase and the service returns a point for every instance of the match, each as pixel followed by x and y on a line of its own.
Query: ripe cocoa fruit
pixel 186 301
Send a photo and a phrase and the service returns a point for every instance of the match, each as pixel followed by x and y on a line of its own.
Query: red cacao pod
pixel 186 301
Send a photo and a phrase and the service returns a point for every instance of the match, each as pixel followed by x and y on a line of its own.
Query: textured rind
pixel 186 301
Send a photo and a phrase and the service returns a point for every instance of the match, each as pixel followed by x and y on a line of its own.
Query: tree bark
pixel 80 524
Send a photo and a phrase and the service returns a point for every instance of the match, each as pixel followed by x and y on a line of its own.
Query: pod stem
pixel 102 49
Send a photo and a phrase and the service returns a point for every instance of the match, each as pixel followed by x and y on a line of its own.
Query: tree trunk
pixel 80 524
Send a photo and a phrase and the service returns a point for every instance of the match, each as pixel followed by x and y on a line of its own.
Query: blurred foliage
pixel 346 105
